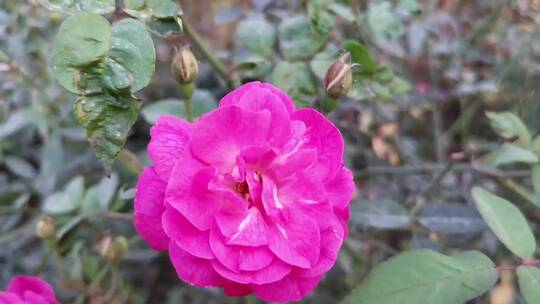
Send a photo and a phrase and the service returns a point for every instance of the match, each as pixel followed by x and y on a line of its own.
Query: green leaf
pixel 258 35
pixel 83 40
pixel 383 22
pixel 535 145
pixel 508 125
pixel 161 16
pixel 343 10
pixel 296 79
pixel 535 176
pixel 529 283
pixel 297 39
pixel 506 221
pixel 509 153
pixel 321 18
pixel 107 120
pixel 67 200
pixel 132 48
pixel 362 56
pixel 80 6
pixel 425 276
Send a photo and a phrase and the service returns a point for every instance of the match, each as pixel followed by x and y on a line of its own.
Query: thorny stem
pixel 231 79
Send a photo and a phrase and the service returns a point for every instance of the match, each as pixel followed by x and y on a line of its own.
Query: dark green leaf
pixel 132 49
pixel 321 18
pixel 107 120
pixel 82 40
pixel 529 283
pixel 80 6
pixel 362 56
pixel 296 79
pixel 161 16
pixel 298 40
pixel 506 221
pixel 425 276
pixel 258 35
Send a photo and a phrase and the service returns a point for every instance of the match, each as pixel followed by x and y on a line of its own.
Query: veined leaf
pixel 425 276
pixel 529 283
pixel 506 221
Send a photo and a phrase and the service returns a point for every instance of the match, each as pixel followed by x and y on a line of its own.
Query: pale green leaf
pixel 508 125
pixel 383 22
pixel 296 79
pixel 506 221
pixel 509 153
pixel 80 6
pixel 297 39
pixel 529 283
pixel 258 35
pixel 425 276
pixel 535 176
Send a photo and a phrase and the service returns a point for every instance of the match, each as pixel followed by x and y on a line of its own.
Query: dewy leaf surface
pixel 427 277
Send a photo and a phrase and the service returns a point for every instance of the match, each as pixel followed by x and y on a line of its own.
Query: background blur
pixel 415 140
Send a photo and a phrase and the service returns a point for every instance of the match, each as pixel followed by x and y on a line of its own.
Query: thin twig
pixel 428 168
pixel 231 79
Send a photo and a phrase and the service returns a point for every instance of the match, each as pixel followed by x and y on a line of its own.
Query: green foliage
pixel 383 22
pixel 425 276
pixel 296 79
pixel 80 6
pixel 506 221
pixel 508 125
pixel 529 283
pixel 298 40
pixel 258 35
pixel 161 16
pixel 508 154
pixel 104 64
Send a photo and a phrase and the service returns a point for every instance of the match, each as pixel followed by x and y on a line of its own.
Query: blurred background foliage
pixel 414 121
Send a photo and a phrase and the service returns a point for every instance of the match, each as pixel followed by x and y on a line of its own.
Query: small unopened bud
pixel 338 79
pixel 113 248
pixel 184 66
pixel 46 228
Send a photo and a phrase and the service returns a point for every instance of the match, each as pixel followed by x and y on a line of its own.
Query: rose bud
pixel 184 66
pixel 113 249
pixel 46 228
pixel 338 79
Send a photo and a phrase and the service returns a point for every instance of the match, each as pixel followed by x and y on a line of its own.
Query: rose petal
pixel 339 190
pixel 249 94
pixel 236 290
pixel 271 273
pixel 236 257
pixel 326 138
pixel 288 289
pixel 193 270
pixel 9 298
pixel 295 239
pixel 149 197
pixel 247 229
pixel 219 136
pixel 22 284
pixel 168 138
pixel 187 237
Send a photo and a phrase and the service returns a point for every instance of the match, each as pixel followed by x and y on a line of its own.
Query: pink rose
pixel 253 197
pixel 28 290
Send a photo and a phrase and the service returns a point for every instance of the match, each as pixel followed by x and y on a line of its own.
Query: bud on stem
pixel 184 66
pixel 113 248
pixel 46 228
pixel 338 79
